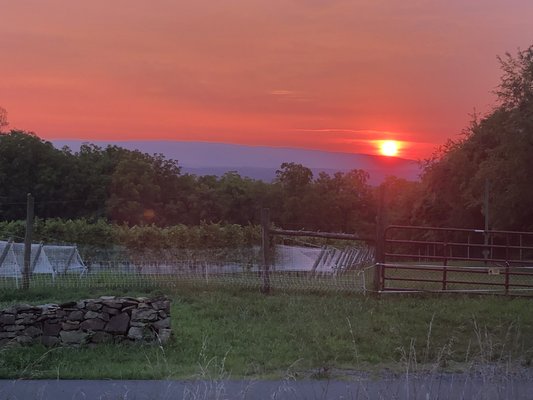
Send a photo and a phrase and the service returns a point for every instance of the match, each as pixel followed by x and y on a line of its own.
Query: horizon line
pixel 234 144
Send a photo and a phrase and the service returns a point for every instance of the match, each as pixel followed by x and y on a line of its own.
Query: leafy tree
pixel 400 196
pixel 515 91
pixel 3 119
pixel 135 188
pixel 342 202
pixel 31 165
pixel 294 177
pixel 143 189
pixel 345 200
pixel 497 147
pixel 91 178
pixel 207 207
pixel 235 194
pixel 295 182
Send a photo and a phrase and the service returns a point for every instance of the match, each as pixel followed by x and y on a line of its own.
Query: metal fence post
pixel 380 243
pixel 265 247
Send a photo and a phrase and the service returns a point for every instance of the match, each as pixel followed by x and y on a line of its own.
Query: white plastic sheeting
pixel 325 260
pixel 64 258
pixel 38 261
pixel 45 259
pixel 9 265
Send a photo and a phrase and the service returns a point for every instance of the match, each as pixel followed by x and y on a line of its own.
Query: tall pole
pixel 486 206
pixel 380 241
pixel 27 242
pixel 265 246
pixel 486 250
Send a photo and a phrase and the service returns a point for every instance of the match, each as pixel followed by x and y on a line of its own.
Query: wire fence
pixel 416 260
pixel 308 268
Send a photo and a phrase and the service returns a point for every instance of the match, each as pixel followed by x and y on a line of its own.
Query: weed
pixel 221 333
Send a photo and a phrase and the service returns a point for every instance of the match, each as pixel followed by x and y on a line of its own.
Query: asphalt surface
pixel 427 387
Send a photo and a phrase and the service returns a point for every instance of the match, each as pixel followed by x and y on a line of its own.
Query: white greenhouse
pixel 45 259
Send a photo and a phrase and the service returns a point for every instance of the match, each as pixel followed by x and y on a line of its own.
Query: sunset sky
pixel 338 75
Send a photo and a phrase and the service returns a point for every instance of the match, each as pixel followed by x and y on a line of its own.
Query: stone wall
pixel 107 319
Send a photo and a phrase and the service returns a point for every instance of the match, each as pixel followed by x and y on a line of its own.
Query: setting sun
pixel 389 148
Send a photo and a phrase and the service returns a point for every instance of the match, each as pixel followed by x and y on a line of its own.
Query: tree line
pixel 134 188
pixel 496 148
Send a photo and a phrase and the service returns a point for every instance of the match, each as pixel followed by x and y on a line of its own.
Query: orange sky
pixel 337 75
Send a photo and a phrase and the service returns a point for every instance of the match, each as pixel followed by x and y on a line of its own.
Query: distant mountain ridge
pixel 261 162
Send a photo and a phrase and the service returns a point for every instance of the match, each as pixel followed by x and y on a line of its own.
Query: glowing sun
pixel 389 148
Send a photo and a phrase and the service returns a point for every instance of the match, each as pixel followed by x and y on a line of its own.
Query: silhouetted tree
pixel 3 119
pixel 497 147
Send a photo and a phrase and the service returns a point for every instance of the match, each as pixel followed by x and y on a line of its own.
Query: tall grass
pixel 240 333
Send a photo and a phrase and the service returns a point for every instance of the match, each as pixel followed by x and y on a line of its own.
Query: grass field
pixel 460 276
pixel 351 281
pixel 235 332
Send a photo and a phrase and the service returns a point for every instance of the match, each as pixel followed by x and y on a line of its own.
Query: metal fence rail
pixel 432 278
pixel 427 259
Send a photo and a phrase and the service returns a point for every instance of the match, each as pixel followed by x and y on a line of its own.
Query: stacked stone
pixel 108 319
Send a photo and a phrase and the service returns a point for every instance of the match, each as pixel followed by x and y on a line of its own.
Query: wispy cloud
pixel 246 70
pixel 281 92
pixel 372 131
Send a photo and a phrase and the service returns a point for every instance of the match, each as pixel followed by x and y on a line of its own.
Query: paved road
pixel 427 387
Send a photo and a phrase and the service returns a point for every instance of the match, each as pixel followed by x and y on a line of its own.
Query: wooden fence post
pixel 26 273
pixel 265 247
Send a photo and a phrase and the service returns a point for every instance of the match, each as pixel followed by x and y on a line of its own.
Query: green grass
pixel 350 281
pixel 238 332
pixel 492 278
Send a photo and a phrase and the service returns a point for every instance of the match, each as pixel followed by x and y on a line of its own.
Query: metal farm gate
pixel 425 259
